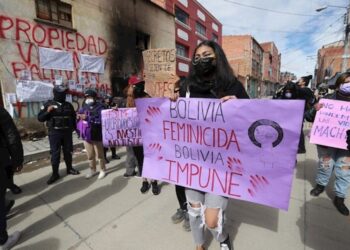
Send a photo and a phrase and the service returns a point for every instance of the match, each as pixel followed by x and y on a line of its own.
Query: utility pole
pixel 346 55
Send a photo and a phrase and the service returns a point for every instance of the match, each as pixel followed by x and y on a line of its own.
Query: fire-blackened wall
pixel 136 25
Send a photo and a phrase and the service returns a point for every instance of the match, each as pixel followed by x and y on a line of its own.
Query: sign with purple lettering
pixel 242 149
pixel 331 123
pixel 121 127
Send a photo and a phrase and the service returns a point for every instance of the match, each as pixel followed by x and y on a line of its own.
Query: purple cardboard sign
pixel 331 123
pixel 242 149
pixel 121 127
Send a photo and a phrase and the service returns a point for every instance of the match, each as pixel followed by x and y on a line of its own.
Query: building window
pixel 181 50
pixel 181 15
pixel 200 28
pixel 270 71
pixel 54 11
pixel 215 38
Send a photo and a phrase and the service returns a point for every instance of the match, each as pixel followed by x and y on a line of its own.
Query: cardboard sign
pixel 331 123
pixel 243 149
pixel 160 72
pixel 121 127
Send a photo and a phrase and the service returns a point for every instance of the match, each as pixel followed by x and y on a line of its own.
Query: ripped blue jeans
pixel 197 217
pixel 338 160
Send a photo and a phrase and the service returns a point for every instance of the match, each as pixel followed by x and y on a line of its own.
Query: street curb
pixel 41 154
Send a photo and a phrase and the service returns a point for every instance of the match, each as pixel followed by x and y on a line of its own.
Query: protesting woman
pixel 136 89
pixel 90 114
pixel 210 76
pixel 334 158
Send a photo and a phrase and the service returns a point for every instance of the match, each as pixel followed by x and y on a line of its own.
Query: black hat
pixel 90 93
pixel 60 88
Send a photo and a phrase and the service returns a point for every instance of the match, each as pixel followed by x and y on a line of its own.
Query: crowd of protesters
pixel 210 76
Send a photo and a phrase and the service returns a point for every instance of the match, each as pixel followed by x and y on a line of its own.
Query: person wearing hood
pixel 90 114
pixel 60 119
pixel 334 159
pixel 290 91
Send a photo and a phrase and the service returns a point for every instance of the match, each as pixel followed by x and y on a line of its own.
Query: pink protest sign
pixel 331 123
pixel 121 127
pixel 242 149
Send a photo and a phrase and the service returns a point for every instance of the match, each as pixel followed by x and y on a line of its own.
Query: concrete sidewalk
pixel 36 150
pixel 111 214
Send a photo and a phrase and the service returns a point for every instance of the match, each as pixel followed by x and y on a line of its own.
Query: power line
pixel 286 51
pixel 268 30
pixel 269 10
pixel 296 57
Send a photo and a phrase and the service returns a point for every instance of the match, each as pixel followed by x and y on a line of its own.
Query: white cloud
pixel 299 49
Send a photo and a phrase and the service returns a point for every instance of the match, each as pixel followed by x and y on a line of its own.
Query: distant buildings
pixel 287 76
pixel 271 68
pixel 329 61
pixel 256 65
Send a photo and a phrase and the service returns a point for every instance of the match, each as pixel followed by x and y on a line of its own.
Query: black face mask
pixel 59 96
pixel 204 66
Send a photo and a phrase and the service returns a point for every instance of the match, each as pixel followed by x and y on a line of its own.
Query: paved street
pixel 112 214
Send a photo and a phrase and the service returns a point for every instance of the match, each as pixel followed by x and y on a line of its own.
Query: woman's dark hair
pixel 306 79
pixel 223 73
pixel 341 79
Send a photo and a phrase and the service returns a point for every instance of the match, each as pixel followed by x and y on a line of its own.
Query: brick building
pixel 193 24
pixel 271 68
pixel 245 56
pixel 287 76
pixel 329 61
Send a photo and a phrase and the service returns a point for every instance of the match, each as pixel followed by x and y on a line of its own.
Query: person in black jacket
pixel 293 91
pixel 306 94
pixel 60 119
pixel 109 104
pixel 136 89
pixel 210 76
pixel 11 153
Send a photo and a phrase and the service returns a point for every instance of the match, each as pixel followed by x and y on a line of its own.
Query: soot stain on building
pixel 128 42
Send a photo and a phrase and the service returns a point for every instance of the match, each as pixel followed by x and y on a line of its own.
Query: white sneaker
pixel 90 174
pixel 11 241
pixel 101 175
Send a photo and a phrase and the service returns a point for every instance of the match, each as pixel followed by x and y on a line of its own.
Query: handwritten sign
pixel 242 149
pixel 160 72
pixel 331 123
pixel 121 127
pixel 33 91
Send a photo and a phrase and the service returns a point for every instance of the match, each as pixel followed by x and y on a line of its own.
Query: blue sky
pixel 297 37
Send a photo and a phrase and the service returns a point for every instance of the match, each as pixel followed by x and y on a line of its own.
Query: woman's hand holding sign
pixel 228 97
pixel 318 106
